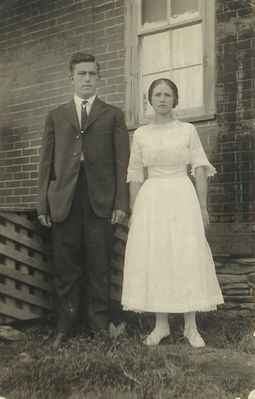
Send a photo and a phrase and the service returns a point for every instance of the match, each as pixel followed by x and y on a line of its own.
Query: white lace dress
pixel 168 262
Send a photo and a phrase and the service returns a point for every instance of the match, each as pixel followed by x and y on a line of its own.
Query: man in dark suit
pixel 82 191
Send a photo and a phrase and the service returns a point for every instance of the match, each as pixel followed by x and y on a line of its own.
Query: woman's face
pixel 162 99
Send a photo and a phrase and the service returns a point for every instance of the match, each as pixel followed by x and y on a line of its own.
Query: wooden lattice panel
pixel 118 262
pixel 25 274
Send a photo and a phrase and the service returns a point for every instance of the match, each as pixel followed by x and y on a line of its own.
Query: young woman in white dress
pixel 168 263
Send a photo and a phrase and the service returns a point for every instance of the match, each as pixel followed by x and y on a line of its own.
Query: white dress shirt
pixel 78 104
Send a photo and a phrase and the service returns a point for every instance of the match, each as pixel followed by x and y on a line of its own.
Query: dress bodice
pixel 166 151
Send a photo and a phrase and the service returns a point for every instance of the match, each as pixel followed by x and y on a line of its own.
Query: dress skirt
pixel 168 262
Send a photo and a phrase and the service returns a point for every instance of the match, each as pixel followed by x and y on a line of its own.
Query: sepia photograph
pixel 127 199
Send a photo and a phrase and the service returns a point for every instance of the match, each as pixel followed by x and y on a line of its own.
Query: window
pixel 173 39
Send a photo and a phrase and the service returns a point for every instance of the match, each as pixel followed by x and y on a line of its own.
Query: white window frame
pixel 133 32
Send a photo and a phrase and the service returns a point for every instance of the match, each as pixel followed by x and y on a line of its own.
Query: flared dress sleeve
pixel 135 171
pixel 197 154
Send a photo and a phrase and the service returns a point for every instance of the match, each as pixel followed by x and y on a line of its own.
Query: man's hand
pixel 45 220
pixel 118 216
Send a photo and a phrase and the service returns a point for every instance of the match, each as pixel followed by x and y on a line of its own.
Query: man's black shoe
pixel 58 340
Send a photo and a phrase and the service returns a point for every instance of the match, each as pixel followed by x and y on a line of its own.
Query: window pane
pixel 182 6
pixel 154 11
pixel 187 46
pixel 155 53
pixel 190 86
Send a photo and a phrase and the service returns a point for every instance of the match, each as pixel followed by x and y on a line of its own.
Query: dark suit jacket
pixel 106 154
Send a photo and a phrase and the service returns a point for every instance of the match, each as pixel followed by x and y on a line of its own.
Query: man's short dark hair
pixel 81 56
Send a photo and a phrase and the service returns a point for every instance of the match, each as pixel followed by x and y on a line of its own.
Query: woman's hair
pixel 169 83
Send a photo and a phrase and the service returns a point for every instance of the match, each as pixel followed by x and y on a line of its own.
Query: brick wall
pixel 37 38
pixel 232 197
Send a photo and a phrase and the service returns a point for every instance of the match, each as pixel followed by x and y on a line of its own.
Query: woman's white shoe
pixel 156 336
pixel 194 338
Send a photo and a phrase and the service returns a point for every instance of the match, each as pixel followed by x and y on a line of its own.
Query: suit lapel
pixel 97 109
pixel 69 112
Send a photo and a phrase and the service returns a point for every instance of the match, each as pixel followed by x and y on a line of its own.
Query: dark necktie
pixel 84 116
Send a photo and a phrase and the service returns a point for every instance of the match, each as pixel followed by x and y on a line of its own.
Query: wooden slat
pixel 22 258
pixel 119 249
pixel 250 284
pixel 236 286
pixel 232 279
pixel 235 291
pixel 10 284
pixel 245 261
pixel 5 319
pixel 241 299
pixel 31 299
pixel 16 313
pixel 116 280
pixel 234 268
pixel 121 234
pixel 237 306
pixel 115 295
pixel 23 221
pixel 116 264
pixel 26 278
pixel 35 243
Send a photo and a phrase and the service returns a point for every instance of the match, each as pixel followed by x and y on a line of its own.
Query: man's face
pixel 85 79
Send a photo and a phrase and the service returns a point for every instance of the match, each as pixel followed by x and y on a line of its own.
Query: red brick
pixel 34 159
pixel 114 72
pixel 107 90
pixel 116 31
pixel 33 175
pixel 21 176
pixel 21 160
pixel 29 183
pixel 9 200
pixel 30 167
pixel 19 191
pixel 115 64
pixel 113 98
pixel 29 198
pixel 33 190
pixel 102 8
pixel 30 151
pixel 6 162
pixel 115 80
pixel 5 192
pixel 13 183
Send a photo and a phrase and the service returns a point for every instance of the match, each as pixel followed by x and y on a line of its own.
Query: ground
pixel 124 368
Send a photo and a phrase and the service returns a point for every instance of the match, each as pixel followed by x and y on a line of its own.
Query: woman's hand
pixel 205 217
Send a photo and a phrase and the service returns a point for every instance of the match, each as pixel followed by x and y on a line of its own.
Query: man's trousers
pixel 82 247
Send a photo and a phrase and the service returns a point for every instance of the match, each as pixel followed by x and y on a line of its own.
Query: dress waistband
pixel 163 174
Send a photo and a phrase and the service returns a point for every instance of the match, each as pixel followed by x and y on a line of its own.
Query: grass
pixel 125 368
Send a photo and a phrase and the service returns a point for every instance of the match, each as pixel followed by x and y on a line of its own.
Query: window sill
pixel 191 119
